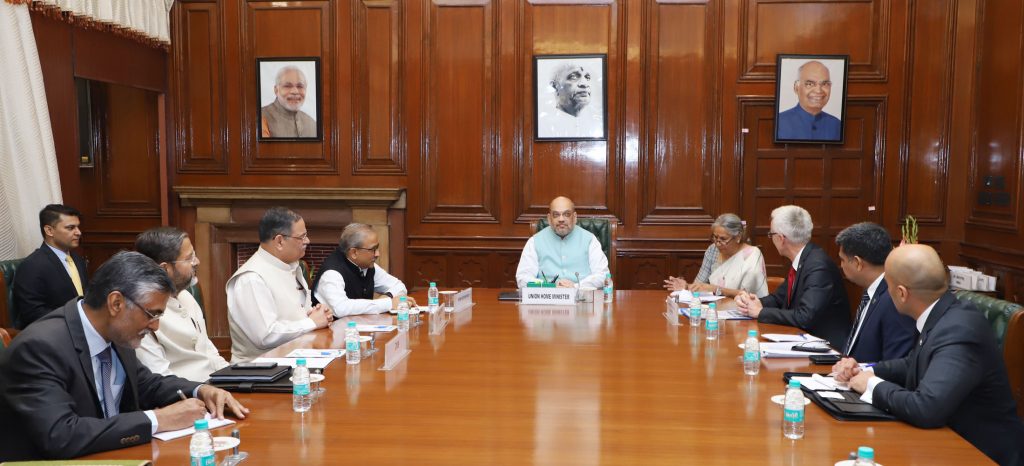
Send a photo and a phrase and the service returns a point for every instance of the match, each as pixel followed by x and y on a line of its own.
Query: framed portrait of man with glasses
pixel 810 98
pixel 289 99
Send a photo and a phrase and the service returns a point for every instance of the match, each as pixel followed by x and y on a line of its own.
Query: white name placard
pixel 464 299
pixel 395 351
pixel 553 296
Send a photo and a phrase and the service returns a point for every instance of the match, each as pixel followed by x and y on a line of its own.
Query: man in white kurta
pixel 562 253
pixel 181 345
pixel 268 299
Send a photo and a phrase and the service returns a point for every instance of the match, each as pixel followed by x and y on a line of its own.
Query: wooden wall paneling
pixel 859 28
pixel 470 270
pixel 924 145
pixel 458 180
pixel 678 153
pixel 377 56
pixel 128 160
pixel 426 267
pixel 197 89
pixel 280 29
pixel 997 155
pixel 596 167
pixel 642 270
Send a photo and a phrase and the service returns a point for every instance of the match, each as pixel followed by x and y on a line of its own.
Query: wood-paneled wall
pixel 436 96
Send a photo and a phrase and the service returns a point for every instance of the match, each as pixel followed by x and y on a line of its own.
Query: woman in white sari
pixel 730 264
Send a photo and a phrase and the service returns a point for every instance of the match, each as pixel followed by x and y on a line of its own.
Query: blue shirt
pixel 796 123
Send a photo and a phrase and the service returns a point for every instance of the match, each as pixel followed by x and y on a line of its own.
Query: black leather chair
pixel 603 229
pixel 1007 320
pixel 7 270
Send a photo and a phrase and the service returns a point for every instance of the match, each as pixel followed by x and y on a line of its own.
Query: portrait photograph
pixel 810 98
pixel 289 99
pixel 570 97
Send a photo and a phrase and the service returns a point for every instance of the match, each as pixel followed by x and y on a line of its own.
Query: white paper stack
pixel 964 278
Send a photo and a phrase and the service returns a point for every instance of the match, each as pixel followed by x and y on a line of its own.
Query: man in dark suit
pixel 70 384
pixel 812 297
pixel 955 375
pixel 52 274
pixel 879 332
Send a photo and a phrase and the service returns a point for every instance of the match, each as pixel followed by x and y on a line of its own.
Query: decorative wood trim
pixel 569 2
pixel 363 163
pixel 189 160
pixel 223 195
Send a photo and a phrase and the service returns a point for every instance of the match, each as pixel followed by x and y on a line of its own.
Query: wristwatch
pixel 718 291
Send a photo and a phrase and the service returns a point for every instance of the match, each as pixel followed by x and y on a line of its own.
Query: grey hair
pixel 162 244
pixel 793 222
pixel 732 224
pixel 130 273
pixel 353 236
pixel 285 69
pixel 556 75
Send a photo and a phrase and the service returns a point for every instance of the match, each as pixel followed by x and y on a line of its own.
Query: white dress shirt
pixel 529 264
pixel 331 291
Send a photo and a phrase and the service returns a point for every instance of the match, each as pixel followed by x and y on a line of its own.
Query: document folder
pixel 232 374
pixel 850 408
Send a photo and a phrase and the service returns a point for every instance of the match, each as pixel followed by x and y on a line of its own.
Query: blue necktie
pixel 106 366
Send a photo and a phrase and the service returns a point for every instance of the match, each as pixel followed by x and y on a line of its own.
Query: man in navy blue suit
pixel 879 332
pixel 955 375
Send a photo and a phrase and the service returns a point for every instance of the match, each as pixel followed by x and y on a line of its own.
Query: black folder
pixel 508 295
pixel 850 408
pixel 233 374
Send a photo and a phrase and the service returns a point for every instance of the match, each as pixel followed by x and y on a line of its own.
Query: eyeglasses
pixel 193 259
pixel 772 233
pixel 722 239
pixel 808 84
pixel 372 250
pixel 301 237
pixel 154 315
pixel 567 214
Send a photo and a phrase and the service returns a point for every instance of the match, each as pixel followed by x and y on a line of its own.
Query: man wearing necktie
pixel 812 298
pixel 52 274
pixel 955 376
pixel 70 384
pixel 879 332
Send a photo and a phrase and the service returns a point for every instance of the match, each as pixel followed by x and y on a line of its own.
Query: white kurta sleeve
pixel 152 355
pixel 598 265
pixel 528 264
pixel 384 282
pixel 256 316
pixel 331 291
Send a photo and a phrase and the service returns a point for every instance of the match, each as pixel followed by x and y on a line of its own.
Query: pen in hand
pixel 182 395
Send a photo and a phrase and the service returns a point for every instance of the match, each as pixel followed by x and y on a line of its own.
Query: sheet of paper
pixel 365 328
pixel 732 314
pixel 833 395
pixel 312 363
pixel 316 353
pixel 710 298
pixel 173 434
pixel 799 338
pixel 811 384
pixel 784 350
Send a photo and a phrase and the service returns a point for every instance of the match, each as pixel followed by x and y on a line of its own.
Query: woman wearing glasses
pixel 730 264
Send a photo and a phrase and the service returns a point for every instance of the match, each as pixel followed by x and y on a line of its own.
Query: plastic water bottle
pixel 200 448
pixel 711 326
pixel 403 314
pixel 352 355
pixel 865 457
pixel 609 288
pixel 793 414
pixel 695 312
pixel 301 401
pixel 751 354
pixel 432 295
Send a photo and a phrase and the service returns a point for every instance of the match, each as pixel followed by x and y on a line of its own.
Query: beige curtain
pixel 148 18
pixel 28 162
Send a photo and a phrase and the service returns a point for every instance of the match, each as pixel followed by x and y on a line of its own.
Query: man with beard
pixel 561 252
pixel 181 346
pixel 572 115
pixel 70 384
pixel 52 274
pixel 284 117
pixel 808 119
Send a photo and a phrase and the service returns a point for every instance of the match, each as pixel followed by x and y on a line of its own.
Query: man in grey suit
pixel 955 374
pixel 70 384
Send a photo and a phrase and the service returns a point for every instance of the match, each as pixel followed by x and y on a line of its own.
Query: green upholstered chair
pixel 1007 320
pixel 602 228
pixel 7 270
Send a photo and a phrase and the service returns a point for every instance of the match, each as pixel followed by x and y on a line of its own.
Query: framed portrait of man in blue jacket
pixel 810 98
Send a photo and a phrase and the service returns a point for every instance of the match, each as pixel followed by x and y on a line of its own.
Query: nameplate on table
pixel 464 299
pixel 550 296
pixel 395 351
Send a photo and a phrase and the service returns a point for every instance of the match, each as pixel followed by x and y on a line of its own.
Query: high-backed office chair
pixel 1007 320
pixel 7 270
pixel 603 229
pixel 773 283
pixel 5 338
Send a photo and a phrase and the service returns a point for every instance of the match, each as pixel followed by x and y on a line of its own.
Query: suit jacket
pixel 885 333
pixel 48 399
pixel 955 376
pixel 42 284
pixel 819 305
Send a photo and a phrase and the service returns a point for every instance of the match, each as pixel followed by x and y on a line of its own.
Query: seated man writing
pixel 562 253
pixel 349 276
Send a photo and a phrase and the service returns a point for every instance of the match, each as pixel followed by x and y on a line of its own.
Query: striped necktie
pixel 864 301
pixel 106 368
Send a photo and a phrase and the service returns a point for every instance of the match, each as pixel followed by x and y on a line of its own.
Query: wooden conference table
pixel 508 384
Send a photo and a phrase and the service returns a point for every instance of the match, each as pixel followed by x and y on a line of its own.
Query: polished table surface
pixel 507 384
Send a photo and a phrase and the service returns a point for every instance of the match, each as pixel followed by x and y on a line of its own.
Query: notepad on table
pixel 173 434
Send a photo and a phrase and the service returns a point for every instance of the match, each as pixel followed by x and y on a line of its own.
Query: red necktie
pixel 789 286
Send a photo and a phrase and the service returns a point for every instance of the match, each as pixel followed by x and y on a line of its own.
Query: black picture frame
pixel 800 116
pixel 574 117
pixel 273 116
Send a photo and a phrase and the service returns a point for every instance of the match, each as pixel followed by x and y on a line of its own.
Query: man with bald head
pixel 562 253
pixel 808 119
pixel 955 374
pixel 284 117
